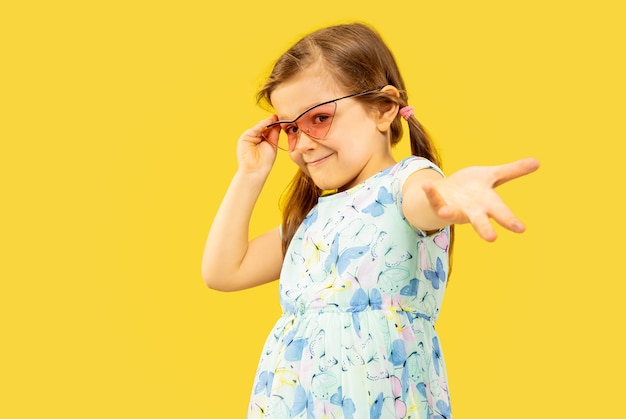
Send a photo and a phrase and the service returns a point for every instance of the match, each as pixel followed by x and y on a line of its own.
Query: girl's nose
pixel 304 142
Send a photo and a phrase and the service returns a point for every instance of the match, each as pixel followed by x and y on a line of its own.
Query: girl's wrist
pixel 250 178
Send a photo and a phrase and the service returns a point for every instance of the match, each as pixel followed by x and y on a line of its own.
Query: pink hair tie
pixel 406 112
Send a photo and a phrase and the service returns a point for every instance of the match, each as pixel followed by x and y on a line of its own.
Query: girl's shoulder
pixel 409 165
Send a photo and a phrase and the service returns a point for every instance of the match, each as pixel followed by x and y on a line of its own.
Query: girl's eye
pixel 321 118
pixel 290 129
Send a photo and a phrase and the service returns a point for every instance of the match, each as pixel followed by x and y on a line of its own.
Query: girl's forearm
pixel 227 242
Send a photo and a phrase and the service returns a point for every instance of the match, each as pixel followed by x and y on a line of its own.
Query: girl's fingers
pixel 505 217
pixel 434 197
pixel 255 134
pixel 483 227
pixel 253 152
pixel 513 170
pixel 440 206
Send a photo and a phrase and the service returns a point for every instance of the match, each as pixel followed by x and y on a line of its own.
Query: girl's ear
pixel 387 113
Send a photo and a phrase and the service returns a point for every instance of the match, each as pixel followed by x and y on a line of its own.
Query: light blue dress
pixel 360 291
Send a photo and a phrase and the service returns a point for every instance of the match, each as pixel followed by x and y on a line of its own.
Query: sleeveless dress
pixel 360 291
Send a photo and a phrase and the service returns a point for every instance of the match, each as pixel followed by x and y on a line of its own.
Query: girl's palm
pixel 469 196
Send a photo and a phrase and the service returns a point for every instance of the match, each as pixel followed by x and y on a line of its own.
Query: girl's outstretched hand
pixel 254 153
pixel 469 196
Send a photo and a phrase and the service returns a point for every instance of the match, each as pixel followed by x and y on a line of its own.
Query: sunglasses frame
pixel 293 121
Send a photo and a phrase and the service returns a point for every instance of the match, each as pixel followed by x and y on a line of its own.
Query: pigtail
pixel 300 197
pixel 423 146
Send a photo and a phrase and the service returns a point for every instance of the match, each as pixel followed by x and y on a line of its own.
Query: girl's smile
pixel 317 162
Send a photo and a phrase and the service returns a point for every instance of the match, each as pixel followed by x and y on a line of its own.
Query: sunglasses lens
pixel 316 122
pixel 276 137
pixel 283 140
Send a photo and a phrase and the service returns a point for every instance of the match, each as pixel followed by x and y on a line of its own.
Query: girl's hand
pixel 468 196
pixel 254 153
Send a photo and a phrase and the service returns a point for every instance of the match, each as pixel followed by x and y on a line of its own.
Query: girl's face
pixel 355 147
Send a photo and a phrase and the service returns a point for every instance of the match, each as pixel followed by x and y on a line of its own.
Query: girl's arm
pixel 230 261
pixel 431 202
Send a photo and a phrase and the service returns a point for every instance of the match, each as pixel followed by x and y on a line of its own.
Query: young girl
pixel 363 250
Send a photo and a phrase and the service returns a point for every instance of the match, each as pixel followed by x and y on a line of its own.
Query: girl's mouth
pixel 318 161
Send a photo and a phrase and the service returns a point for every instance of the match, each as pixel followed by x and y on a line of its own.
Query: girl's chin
pixel 323 179
pixel 326 185
pixel 322 183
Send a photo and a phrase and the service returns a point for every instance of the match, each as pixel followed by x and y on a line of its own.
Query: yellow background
pixel 118 121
